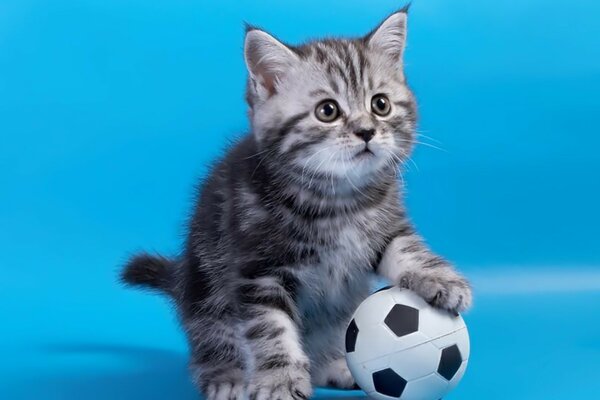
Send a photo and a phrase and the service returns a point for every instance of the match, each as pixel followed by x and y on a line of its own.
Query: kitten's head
pixel 334 107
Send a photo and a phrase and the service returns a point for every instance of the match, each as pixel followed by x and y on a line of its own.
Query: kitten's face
pixel 336 108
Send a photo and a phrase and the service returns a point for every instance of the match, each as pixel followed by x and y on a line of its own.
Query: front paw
pixel 442 288
pixel 290 383
pixel 225 390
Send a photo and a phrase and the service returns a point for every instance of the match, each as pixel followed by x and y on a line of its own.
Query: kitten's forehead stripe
pixel 320 54
pixel 339 70
pixel 362 60
pixel 334 85
pixel 348 61
pixel 354 69
pixel 348 67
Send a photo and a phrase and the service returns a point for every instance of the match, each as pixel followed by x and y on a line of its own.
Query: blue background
pixel 110 110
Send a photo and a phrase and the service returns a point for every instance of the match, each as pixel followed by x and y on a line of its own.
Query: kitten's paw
pixel 291 383
pixel 335 374
pixel 225 391
pixel 442 288
pixel 218 385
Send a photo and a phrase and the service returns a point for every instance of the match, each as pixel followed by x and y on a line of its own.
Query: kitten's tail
pixel 150 271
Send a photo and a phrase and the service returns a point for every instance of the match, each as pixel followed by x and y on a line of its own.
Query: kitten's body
pixel 291 223
pixel 325 260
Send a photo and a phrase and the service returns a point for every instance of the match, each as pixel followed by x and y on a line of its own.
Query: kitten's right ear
pixel 267 60
pixel 390 35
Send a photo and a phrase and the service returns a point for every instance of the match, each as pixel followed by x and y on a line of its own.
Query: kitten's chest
pixel 340 276
pixel 353 247
pixel 351 244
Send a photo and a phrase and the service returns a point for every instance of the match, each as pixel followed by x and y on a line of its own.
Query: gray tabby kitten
pixel 292 221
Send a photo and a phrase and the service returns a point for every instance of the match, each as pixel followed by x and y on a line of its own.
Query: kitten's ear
pixel 390 35
pixel 267 60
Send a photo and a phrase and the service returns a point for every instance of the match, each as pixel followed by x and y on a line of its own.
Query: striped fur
pixel 291 222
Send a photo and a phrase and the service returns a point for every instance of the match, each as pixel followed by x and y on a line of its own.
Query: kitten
pixel 292 221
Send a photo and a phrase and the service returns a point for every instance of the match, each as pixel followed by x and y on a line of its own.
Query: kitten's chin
pixel 368 158
pixel 363 166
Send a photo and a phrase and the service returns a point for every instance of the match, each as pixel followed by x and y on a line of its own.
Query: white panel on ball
pixel 436 323
pixel 416 362
pixel 368 349
pixel 410 298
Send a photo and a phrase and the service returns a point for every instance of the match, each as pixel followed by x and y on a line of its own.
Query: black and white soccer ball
pixel 398 346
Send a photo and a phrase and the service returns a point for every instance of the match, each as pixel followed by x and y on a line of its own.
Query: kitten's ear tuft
pixel 267 60
pixel 249 27
pixel 390 35
pixel 406 8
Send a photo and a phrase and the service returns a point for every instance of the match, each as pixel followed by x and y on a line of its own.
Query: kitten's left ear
pixel 390 35
pixel 267 60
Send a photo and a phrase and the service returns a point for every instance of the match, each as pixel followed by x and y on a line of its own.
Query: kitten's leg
pixel 409 263
pixel 218 360
pixel 280 366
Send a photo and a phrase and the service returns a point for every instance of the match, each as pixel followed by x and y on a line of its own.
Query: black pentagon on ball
pixel 388 382
pixel 450 362
pixel 402 320
pixel 351 334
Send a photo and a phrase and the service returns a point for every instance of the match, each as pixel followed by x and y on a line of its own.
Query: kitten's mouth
pixel 365 152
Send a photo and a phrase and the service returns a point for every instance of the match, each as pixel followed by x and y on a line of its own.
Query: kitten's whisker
pixel 347 153
pixel 396 168
pixel 316 170
pixel 310 158
pixel 269 153
pixel 333 169
pixel 401 161
pixel 257 154
pixel 408 158
pixel 432 146
pixel 420 134
pixel 423 143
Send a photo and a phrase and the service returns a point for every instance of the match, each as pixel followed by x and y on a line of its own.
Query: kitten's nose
pixel 365 134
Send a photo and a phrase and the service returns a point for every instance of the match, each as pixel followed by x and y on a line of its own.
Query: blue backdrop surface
pixel 110 111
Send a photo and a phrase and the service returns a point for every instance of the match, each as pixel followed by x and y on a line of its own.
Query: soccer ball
pixel 398 346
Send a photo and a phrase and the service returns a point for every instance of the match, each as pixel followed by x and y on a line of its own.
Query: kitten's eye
pixel 380 105
pixel 327 111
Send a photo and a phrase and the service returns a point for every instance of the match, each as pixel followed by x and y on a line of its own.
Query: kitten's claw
pixel 404 284
pixel 442 288
pixel 300 394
